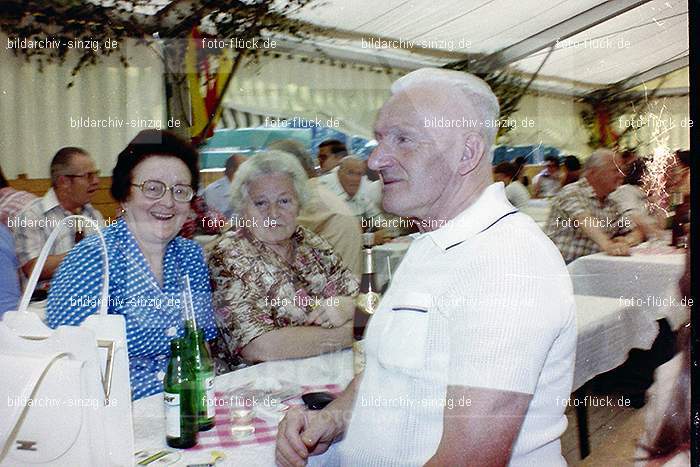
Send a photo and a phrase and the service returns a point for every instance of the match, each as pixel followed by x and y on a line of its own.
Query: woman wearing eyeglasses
pixel 154 180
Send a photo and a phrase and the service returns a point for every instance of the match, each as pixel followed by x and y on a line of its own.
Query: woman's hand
pixel 333 312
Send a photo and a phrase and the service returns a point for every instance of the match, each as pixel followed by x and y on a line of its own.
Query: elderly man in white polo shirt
pixel 350 184
pixel 470 355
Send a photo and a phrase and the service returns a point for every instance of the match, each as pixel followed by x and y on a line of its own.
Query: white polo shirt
pixel 484 301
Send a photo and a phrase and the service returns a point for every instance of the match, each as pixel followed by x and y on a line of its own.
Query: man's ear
pixel 472 153
pixel 61 181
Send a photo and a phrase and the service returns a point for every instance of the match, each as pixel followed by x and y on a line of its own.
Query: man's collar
pixel 491 206
pixel 339 186
pixel 49 201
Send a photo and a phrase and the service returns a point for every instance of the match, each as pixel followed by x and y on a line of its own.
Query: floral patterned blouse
pixel 256 290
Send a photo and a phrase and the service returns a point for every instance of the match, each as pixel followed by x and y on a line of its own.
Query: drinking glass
pixel 241 414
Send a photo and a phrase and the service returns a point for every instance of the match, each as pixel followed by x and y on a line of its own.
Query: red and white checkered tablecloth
pixel 265 432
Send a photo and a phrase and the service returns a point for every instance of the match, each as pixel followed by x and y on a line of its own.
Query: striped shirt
pixel 42 216
pixel 575 202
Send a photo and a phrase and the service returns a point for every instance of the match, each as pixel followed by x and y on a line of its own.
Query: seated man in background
pixel 9 269
pixel 584 220
pixel 572 170
pixel 350 184
pixel 346 182
pixel 74 181
pixel 218 193
pixel 330 153
pixel 516 192
pixel 548 182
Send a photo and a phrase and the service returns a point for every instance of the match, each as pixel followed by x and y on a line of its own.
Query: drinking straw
pixel 388 268
pixel 187 301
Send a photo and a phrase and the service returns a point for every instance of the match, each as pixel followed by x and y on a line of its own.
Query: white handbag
pixel 65 398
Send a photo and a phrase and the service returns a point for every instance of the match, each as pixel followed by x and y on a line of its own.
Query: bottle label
pixel 172 414
pixel 209 385
pixel 368 302
pixel 358 354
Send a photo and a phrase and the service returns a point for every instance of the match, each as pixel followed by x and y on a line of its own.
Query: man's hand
pixel 303 433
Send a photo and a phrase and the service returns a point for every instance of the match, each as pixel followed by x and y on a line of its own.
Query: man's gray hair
pixel 598 158
pixel 269 163
pixel 476 90
pixel 62 160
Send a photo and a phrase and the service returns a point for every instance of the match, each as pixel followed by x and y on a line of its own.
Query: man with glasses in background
pixel 74 181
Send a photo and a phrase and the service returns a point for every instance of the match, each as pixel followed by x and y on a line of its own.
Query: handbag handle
pixel 28 392
pixel 39 264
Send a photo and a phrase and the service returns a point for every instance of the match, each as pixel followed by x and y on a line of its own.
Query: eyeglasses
pixel 89 175
pixel 155 189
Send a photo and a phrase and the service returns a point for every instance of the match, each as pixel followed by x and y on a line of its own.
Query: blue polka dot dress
pixel 153 314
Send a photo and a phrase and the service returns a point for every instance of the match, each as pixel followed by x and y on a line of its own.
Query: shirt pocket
pixel 404 338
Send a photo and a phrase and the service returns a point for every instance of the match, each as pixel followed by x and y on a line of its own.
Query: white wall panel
pixel 36 107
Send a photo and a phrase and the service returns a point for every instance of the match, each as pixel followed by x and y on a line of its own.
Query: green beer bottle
pixel 201 360
pixel 179 395
pixel 204 375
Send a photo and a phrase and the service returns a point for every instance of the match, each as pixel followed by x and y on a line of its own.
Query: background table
pixel 619 300
pixel 650 281
pixel 149 422
pixel 607 330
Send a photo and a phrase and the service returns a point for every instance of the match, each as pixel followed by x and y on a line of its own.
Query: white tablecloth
pixel 650 282
pixel 607 331
pixel 149 422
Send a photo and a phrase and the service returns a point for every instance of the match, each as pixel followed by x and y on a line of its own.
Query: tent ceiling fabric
pixel 645 35
pixel 508 22
pixel 630 43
